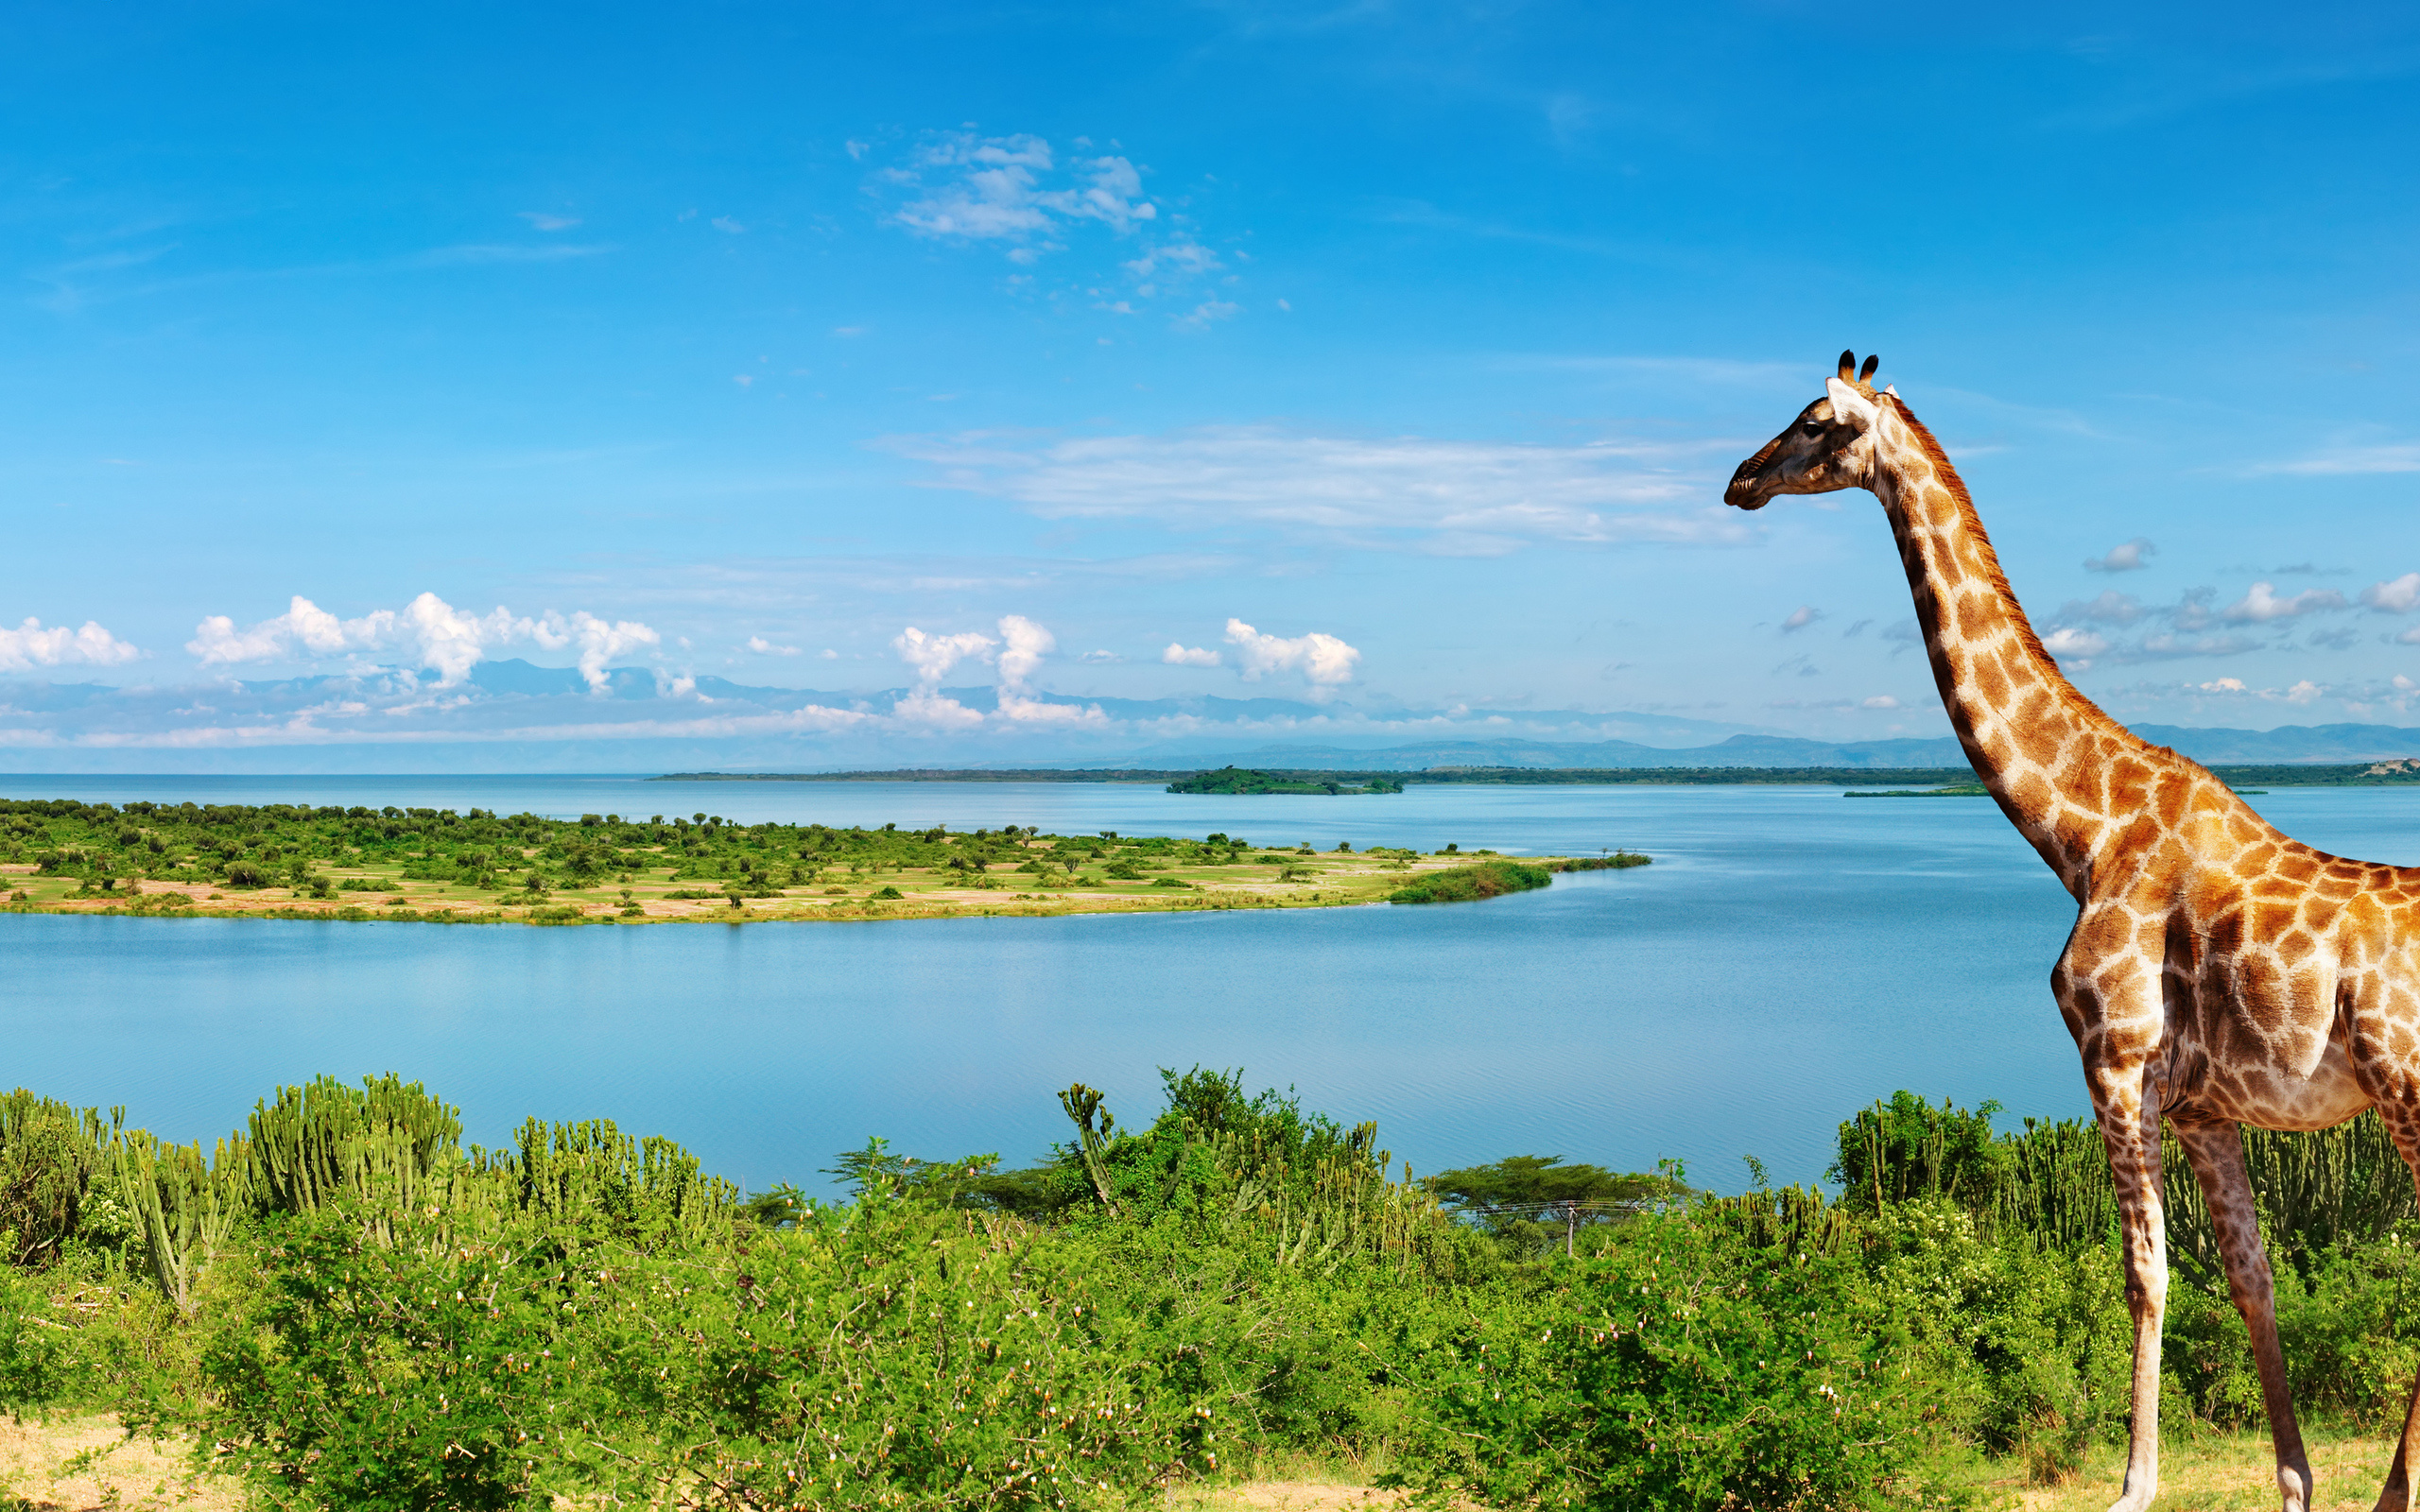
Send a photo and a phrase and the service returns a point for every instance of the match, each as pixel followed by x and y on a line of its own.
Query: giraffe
pixel 2218 973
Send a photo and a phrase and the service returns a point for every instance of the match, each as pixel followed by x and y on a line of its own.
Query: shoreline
pixel 1343 879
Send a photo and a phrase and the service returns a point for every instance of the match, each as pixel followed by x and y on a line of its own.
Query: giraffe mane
pixel 1997 577
pixel 2066 690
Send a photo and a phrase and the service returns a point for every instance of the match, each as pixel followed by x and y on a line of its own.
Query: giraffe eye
pixel 1813 427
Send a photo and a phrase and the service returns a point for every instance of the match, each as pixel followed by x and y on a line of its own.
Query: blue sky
pixel 1384 359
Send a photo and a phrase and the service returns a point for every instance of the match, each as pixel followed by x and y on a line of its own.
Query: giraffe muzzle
pixel 1743 493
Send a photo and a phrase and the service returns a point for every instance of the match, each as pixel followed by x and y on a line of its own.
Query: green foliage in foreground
pixel 353 1310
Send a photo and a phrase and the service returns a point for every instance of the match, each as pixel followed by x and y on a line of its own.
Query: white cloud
pixel 2397 595
pixel 1209 310
pixel 2223 685
pixel 2125 558
pixel 2263 604
pixel 32 645
pixel 1326 661
pixel 1024 645
pixel 2111 608
pixel 540 220
pixel 443 637
pixel 765 647
pixel 1013 188
pixel 2303 692
pixel 728 226
pixel 1463 498
pixel 1881 700
pixel 1182 258
pixel 1801 618
pixel 2073 646
pixel 932 656
pixel 1180 655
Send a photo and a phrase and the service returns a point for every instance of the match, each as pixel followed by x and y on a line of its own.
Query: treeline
pixel 244 846
pixel 350 1307
pixel 1248 781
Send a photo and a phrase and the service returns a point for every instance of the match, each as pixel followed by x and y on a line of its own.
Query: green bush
pixel 1459 884
pixel 1681 1369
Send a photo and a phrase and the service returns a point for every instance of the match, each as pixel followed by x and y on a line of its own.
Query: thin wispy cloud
pixel 1019 194
pixel 2345 461
pixel 1469 496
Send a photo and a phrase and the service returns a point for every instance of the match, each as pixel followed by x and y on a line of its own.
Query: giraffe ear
pixel 1849 407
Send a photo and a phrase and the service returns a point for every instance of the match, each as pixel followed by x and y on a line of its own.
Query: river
pixel 1789 956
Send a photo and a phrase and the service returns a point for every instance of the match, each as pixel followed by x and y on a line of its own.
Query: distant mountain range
pixel 2287 744
pixel 513 717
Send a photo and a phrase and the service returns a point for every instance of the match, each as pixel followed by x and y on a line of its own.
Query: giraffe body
pixel 2220 973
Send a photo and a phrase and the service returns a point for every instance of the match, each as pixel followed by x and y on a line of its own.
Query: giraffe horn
pixel 1873 361
pixel 1848 366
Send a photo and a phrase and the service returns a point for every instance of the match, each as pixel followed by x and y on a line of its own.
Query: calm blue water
pixel 1789 956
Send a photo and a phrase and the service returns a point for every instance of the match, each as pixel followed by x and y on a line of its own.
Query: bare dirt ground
pixel 87 1464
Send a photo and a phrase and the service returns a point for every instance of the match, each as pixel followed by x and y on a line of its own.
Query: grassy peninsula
pixel 346 1305
pixel 434 865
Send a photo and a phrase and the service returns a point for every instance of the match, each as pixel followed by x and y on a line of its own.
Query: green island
pixel 344 1305
pixel 437 866
pixel 1240 780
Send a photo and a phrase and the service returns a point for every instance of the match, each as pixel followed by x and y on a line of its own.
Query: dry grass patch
pixel 76 1463
pixel 2200 1472
pixel 1283 1496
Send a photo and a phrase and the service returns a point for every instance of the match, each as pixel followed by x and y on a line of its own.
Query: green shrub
pixel 1682 1369
pixel 1458 885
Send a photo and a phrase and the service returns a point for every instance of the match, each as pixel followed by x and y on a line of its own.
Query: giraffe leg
pixel 2130 1129
pixel 2401 1117
pixel 2216 1150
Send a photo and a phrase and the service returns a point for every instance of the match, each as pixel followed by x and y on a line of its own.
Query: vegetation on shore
pixel 1493 879
pixel 434 865
pixel 347 1306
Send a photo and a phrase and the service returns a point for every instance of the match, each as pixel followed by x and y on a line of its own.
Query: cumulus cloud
pixel 932 656
pixel 1180 655
pixel 1455 497
pixel 1326 661
pixel 1023 645
pixel 1801 618
pixel 32 645
pixel 2126 558
pixel 2263 604
pixel 2074 647
pixel 1018 654
pixel 1880 701
pixel 443 638
pixel 765 647
pixel 2397 595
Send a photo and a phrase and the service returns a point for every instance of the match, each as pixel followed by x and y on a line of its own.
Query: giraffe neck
pixel 2041 746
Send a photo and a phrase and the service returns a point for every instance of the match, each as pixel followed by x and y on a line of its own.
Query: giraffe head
pixel 1829 446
